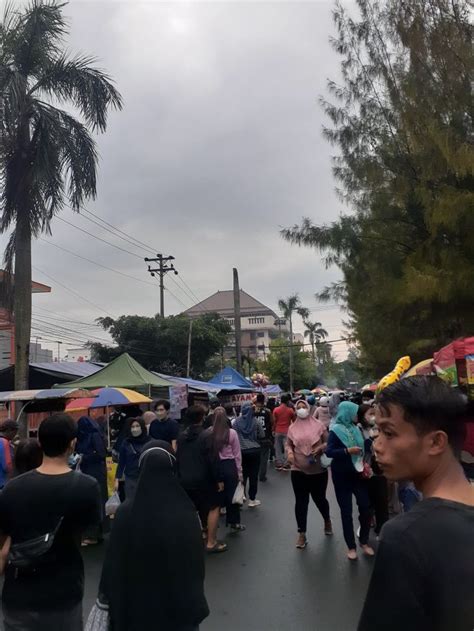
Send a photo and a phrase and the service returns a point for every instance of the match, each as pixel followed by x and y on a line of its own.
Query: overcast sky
pixel 219 145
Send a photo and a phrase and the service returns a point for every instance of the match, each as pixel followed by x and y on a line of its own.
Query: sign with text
pixel 178 400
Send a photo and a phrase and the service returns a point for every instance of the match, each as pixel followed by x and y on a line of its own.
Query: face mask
pixel 302 413
pixel 371 420
pixel 136 431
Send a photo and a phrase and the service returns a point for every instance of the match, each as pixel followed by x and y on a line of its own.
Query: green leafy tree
pixel 47 156
pixel 402 121
pixel 161 344
pixel 289 307
pixel 277 366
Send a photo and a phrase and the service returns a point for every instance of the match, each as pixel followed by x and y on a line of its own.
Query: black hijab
pixel 153 574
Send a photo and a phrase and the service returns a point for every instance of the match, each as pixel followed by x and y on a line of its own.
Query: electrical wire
pixel 71 291
pixel 110 269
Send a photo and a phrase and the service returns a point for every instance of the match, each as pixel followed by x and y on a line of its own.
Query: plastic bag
pixel 325 461
pixel 112 505
pixel 239 494
pixel 98 619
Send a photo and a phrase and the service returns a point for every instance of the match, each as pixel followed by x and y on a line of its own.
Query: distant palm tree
pixel 47 156
pixel 289 307
pixel 316 333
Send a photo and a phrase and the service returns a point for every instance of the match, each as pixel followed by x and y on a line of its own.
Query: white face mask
pixel 302 413
pixel 136 431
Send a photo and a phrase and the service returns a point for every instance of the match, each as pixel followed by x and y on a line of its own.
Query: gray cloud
pixel 218 146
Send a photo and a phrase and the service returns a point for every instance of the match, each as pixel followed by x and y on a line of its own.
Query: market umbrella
pixel 370 386
pixel 105 397
pixel 319 391
pixel 422 368
pixel 304 391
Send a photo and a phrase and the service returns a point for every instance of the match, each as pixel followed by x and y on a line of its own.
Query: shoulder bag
pixel 29 554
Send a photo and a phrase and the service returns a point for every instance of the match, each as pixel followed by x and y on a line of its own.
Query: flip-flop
pixel 237 528
pixel 217 548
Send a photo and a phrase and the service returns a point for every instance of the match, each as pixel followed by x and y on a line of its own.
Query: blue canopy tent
pixel 230 379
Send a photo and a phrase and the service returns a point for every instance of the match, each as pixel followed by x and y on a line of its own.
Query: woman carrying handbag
pixel 249 432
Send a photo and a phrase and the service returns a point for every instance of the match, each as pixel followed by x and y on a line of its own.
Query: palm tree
pixel 289 307
pixel 316 333
pixel 48 157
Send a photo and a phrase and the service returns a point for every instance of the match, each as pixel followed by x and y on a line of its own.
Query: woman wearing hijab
pixel 305 443
pixel 333 406
pixel 249 431
pixel 225 449
pixel 153 574
pixel 346 448
pixel 93 451
pixel 130 452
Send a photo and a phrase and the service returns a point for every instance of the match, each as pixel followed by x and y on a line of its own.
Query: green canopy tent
pixel 125 372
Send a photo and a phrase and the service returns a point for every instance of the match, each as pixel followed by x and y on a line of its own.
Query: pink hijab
pixel 304 433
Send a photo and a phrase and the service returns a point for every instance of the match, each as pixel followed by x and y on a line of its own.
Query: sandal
pixel 237 527
pixel 217 548
pixel 302 543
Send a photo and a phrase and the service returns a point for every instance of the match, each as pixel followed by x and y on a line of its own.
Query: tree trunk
pixel 291 354
pixel 22 306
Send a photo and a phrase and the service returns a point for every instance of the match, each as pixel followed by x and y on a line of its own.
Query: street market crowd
pixel 178 484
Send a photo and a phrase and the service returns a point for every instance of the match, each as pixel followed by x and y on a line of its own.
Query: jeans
pixel 229 475
pixel 24 620
pixel 250 469
pixel 378 496
pixel 264 456
pixel 346 485
pixel 280 449
pixel 305 485
pixel 408 495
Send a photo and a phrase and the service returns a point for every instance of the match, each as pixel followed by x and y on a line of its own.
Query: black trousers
pixel 229 475
pixel 305 485
pixel 264 455
pixel 250 470
pixel 378 495
pixel 347 484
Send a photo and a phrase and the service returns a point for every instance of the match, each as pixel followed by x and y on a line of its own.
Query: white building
pixel 77 355
pixel 259 324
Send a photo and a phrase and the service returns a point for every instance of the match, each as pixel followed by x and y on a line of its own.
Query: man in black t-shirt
pixel 263 416
pixel 423 579
pixel 164 428
pixel 47 595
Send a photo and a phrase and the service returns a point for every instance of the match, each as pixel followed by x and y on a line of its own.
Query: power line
pixel 99 238
pixel 125 238
pixel 84 258
pixel 140 243
pixel 71 291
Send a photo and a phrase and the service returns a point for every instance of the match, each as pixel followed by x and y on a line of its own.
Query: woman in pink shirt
pixel 305 444
pixel 228 457
pixel 322 412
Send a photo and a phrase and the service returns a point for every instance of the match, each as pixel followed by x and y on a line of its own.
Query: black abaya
pixel 153 575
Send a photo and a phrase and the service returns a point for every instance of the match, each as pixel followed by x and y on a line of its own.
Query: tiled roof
pixel 222 302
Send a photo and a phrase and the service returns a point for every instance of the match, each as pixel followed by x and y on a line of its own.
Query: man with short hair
pixel 423 578
pixel 283 416
pixel 263 416
pixel 198 474
pixel 47 592
pixel 164 428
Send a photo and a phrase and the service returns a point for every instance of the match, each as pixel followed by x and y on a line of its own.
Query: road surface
pixel 263 583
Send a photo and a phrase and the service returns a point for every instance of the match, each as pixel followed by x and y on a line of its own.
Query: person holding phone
pixel 346 448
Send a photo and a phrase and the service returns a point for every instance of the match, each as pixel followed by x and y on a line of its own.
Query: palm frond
pixel 77 80
pixel 37 35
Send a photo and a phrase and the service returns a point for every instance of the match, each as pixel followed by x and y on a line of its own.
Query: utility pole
pixel 237 327
pixel 162 269
pixel 190 337
pixel 59 350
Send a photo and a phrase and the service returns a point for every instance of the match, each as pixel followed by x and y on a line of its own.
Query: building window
pixel 230 321
pixel 252 335
pixel 261 334
pixel 256 320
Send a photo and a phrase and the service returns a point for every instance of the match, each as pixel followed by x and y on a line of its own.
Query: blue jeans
pixel 408 495
pixel 347 484
pixel 280 449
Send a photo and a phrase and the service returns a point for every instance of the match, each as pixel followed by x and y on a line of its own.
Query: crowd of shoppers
pixel 176 488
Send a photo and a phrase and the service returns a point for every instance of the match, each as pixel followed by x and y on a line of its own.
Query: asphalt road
pixel 263 583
